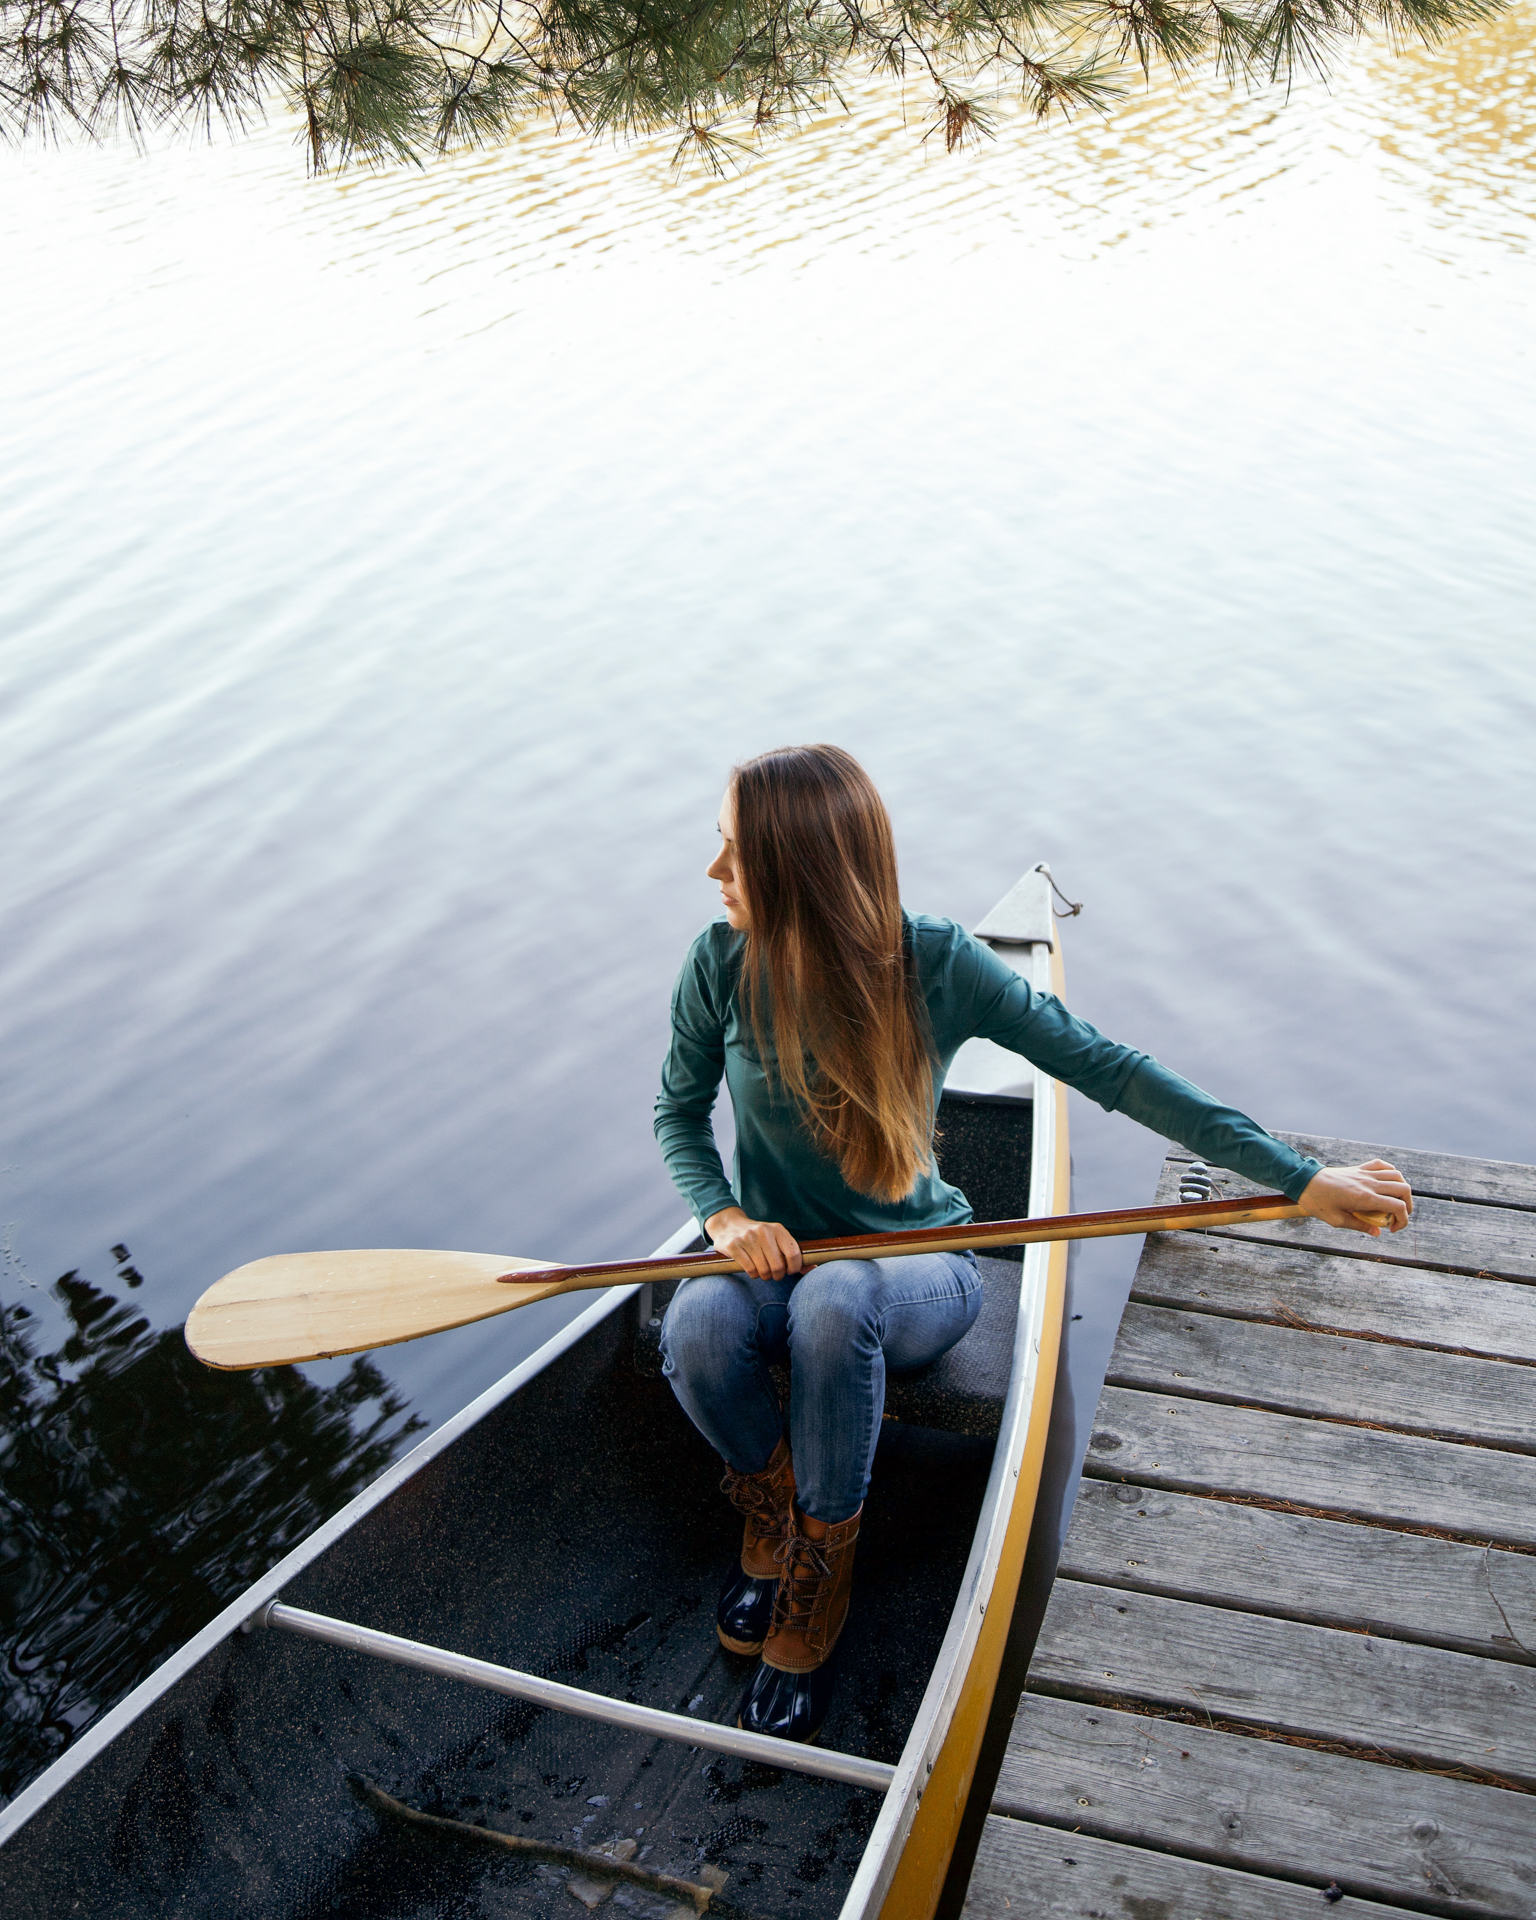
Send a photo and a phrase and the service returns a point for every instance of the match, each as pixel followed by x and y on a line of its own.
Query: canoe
pixel 501 1656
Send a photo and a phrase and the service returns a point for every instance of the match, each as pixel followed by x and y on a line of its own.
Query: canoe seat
pixel 961 1392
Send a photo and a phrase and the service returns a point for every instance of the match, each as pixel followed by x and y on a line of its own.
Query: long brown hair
pixel 825 973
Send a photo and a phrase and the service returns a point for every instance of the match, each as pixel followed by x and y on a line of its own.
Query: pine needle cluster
pixel 388 80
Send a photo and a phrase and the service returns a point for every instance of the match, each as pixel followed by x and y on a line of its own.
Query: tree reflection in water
pixel 141 1491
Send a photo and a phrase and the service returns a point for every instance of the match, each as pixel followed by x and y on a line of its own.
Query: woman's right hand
pixel 761 1248
pixel 1364 1198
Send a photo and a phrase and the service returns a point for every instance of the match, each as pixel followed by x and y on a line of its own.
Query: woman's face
pixel 724 870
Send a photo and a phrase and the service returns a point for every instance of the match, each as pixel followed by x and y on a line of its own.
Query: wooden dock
pixel 1289 1662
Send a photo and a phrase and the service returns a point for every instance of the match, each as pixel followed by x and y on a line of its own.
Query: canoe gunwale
pixel 951 1672
pixel 249 1603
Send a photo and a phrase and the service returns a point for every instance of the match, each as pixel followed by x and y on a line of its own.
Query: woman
pixel 833 1016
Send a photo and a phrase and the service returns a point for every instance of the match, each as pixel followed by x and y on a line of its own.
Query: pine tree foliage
pixel 385 80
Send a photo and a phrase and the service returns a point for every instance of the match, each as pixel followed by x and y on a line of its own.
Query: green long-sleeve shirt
pixel 779 1172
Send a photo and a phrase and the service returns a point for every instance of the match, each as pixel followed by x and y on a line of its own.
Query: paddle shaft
pixel 310 1306
pixel 974 1236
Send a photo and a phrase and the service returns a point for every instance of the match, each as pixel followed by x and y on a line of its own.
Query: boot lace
pixel 747 1492
pixel 805 1584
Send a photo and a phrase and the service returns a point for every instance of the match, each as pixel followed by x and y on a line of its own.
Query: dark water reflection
pixel 141 1492
pixel 393 566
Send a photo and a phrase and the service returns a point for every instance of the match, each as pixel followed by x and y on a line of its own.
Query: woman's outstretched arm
pixel 1122 1080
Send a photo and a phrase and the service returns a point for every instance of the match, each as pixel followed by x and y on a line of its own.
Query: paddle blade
pixel 311 1306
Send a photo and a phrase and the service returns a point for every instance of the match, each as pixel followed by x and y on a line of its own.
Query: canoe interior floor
pixel 578 1532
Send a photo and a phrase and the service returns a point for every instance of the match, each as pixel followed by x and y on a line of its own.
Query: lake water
pixel 394 565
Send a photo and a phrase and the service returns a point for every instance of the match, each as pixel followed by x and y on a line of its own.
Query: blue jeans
pixel 839 1326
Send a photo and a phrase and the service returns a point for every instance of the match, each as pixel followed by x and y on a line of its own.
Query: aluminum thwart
pixel 707 1734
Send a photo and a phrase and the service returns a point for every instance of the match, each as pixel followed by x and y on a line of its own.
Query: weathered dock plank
pixel 1446 1709
pixel 1268 1807
pixel 1028 1872
pixel 1407 1586
pixel 1451 1236
pixel 1248 1363
pixel 1247 1280
pixel 1445 1176
pixel 1495 1242
pixel 1195 1446
pixel 1299 1589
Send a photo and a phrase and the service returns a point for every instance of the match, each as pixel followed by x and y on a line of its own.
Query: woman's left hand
pixel 1346 1196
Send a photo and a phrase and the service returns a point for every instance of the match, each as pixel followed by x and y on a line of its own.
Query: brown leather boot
pixel 790 1692
pixel 764 1499
pixel 745 1607
pixel 815 1581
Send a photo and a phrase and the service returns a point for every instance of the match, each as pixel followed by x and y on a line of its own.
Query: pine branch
pixel 379 81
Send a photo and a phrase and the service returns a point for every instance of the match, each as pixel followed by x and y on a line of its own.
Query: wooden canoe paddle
pixel 313 1306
